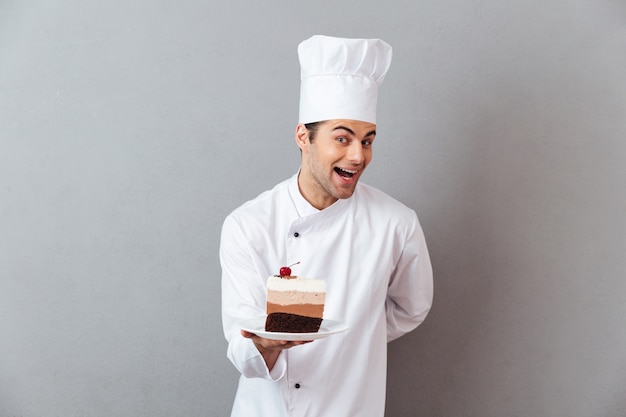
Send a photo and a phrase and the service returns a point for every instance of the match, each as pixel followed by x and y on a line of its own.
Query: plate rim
pixel 252 325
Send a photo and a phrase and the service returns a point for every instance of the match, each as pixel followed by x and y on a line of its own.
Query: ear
pixel 302 137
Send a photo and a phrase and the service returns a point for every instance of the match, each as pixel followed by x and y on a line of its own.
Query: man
pixel 368 247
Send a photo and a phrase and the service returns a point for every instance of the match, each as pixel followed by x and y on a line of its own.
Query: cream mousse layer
pixel 296 295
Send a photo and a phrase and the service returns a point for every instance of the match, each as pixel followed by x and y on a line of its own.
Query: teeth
pixel 349 171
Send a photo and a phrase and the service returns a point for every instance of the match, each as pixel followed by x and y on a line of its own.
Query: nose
pixel 356 154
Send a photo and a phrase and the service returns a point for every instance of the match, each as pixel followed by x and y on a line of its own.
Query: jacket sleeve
pixel 410 291
pixel 243 297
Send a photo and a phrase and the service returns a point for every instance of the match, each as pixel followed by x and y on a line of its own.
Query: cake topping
pixel 285 271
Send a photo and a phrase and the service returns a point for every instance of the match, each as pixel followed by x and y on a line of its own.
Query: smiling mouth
pixel 345 172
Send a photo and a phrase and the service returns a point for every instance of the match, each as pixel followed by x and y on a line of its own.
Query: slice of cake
pixel 294 304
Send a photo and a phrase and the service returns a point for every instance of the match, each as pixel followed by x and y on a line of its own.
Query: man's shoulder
pixel 384 211
pixel 375 198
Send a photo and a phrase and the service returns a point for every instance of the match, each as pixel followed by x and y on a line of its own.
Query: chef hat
pixel 340 78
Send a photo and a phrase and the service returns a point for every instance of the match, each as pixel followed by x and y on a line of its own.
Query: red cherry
pixel 285 271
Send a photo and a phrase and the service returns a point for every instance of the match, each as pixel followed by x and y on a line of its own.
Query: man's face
pixel 333 162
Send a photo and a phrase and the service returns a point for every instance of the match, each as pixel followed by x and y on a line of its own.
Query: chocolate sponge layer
pixel 291 323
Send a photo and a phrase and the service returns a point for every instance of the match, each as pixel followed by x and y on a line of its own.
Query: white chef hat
pixel 340 78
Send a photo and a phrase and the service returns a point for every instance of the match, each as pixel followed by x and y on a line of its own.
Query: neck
pixel 313 195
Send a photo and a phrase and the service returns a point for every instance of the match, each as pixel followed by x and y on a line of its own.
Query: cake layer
pixel 291 323
pixel 277 283
pixel 295 297
pixel 308 310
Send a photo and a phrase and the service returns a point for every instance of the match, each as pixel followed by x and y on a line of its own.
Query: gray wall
pixel 128 130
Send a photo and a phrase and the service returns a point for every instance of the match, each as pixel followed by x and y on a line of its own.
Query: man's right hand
pixel 270 349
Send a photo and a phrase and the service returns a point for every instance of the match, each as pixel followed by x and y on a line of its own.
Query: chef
pixel 368 247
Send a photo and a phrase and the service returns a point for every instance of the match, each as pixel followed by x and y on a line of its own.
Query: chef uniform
pixel 369 248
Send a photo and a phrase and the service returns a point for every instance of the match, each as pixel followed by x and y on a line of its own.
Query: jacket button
pixel 296 234
pixel 297 386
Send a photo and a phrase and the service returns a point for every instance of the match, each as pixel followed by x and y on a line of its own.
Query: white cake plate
pixel 257 326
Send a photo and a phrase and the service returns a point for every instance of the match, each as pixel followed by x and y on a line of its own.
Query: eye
pixel 342 139
pixel 367 143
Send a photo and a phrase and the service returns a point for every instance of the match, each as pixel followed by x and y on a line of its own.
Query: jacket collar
pixel 305 209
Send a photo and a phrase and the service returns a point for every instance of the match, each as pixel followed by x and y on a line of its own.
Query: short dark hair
pixel 312 128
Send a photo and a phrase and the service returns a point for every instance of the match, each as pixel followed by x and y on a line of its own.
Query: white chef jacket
pixel 371 251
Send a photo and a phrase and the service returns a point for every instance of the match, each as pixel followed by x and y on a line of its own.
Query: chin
pixel 344 195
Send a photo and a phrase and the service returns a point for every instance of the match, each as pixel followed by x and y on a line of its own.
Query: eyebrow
pixel 372 133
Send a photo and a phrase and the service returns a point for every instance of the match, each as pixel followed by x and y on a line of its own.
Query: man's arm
pixel 410 292
pixel 243 297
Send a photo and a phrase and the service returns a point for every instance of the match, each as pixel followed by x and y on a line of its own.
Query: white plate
pixel 257 326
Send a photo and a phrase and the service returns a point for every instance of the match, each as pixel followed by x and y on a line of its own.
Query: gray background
pixel 129 129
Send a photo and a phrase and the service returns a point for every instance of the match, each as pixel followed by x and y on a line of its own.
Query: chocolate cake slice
pixel 294 304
